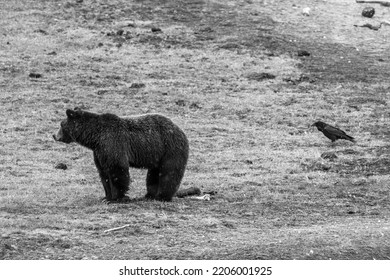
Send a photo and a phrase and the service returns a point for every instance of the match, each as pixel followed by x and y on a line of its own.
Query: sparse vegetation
pixel 228 73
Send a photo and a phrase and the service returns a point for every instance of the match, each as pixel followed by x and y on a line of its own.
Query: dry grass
pixel 277 198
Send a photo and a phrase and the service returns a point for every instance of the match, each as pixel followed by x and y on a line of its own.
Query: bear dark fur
pixel 149 141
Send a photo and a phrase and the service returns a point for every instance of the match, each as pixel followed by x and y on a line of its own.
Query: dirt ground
pixel 245 80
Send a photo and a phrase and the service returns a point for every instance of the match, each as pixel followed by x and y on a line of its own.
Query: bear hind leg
pixel 169 182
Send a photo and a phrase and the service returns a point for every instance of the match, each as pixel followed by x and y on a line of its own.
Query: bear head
pixel 66 133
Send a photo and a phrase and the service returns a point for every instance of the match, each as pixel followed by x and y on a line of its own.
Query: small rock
pixel 62 166
pixel 120 32
pixel 137 85
pixel 303 53
pixel 195 105
pixel 368 12
pixel 52 53
pixel 44 32
pixel 35 75
pixel 306 11
pixel 156 29
pixel 180 102
pixel 102 92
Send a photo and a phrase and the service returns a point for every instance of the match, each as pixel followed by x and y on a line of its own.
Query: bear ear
pixel 70 113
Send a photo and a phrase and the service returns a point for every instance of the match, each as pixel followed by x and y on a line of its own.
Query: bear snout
pixel 62 136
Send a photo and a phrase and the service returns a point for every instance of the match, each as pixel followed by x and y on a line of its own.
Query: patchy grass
pixel 228 73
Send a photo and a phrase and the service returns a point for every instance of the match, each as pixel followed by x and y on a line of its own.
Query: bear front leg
pixel 119 180
pixel 152 179
pixel 104 177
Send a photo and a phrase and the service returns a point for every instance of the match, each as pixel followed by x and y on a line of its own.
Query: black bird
pixel 333 133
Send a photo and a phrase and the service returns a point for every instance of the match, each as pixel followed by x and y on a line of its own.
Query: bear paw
pixel 124 199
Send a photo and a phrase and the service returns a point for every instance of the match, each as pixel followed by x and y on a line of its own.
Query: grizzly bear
pixel 150 141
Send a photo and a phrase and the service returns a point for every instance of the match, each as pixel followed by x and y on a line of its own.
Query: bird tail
pixel 350 138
